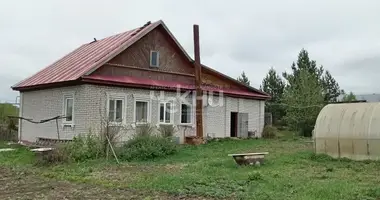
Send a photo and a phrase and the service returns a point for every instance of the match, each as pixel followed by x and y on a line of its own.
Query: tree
pixel 308 88
pixel 274 85
pixel 330 88
pixel 304 99
pixel 244 79
pixel 349 97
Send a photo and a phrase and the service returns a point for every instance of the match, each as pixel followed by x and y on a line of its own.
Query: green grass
pixel 291 171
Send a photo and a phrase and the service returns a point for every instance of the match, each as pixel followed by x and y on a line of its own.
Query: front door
pixel 243 125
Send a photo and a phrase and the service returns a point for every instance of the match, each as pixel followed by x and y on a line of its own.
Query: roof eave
pixel 46 86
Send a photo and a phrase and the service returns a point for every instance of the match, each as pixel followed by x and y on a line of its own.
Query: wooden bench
pixel 249 158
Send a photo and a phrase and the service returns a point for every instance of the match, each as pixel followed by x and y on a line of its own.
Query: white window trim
pixel 158 59
pixel 171 113
pixel 117 96
pixel 65 96
pixel 142 99
pixel 191 113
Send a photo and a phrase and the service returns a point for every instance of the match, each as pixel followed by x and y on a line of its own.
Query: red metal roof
pixel 88 57
pixel 164 85
pixel 85 58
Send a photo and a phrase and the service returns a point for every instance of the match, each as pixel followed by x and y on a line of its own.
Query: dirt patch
pixel 26 185
pixel 125 173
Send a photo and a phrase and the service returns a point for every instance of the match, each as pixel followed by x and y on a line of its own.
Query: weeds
pixel 269 132
pixel 144 130
pixel 145 146
pixel 167 130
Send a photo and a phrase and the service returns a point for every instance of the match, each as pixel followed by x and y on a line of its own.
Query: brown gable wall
pixel 174 66
pixel 171 59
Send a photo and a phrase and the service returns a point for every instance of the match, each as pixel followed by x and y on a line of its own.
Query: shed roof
pixel 89 57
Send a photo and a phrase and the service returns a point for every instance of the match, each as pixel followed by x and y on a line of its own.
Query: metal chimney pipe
pixel 198 83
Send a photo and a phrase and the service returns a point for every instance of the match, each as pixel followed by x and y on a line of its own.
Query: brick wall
pixel 90 105
pixel 44 104
pixel 97 95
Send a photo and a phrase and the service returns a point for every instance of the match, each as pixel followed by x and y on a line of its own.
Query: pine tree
pixel 244 79
pixel 304 100
pixel 330 87
pixel 308 88
pixel 274 86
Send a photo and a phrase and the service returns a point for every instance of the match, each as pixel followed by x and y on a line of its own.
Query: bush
pixel 147 147
pixel 85 148
pixel 56 156
pixel 269 132
pixel 167 130
pixel 78 150
pixel 144 130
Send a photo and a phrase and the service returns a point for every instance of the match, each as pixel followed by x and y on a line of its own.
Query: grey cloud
pixel 235 35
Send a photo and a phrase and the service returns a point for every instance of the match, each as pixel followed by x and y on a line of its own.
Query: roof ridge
pixel 133 31
pixel 138 29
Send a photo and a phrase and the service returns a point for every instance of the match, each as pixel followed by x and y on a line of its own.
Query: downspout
pixel 198 83
pixel 20 114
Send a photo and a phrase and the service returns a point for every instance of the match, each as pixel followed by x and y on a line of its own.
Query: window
pixel 185 114
pixel 115 109
pixel 141 111
pixel 154 58
pixel 68 108
pixel 165 113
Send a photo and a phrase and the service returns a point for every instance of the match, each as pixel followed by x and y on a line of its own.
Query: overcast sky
pixel 236 36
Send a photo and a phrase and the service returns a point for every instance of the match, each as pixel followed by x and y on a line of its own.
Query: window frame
pixel 157 58
pixel 65 97
pixel 191 114
pixel 171 113
pixel 148 101
pixel 116 96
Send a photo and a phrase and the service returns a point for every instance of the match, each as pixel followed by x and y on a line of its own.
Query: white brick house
pixel 139 76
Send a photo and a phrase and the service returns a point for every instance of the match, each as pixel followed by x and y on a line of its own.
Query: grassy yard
pixel 291 171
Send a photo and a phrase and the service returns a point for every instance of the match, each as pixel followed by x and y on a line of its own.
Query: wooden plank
pixel 248 154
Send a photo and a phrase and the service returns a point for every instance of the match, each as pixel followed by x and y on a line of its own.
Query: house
pixel 139 76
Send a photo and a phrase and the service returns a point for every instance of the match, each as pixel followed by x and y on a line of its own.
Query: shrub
pixel 269 132
pixel 56 156
pixel 85 148
pixel 167 130
pixel 109 135
pixel 80 149
pixel 147 147
pixel 144 130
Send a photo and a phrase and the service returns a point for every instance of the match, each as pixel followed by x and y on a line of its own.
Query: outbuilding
pixel 349 130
